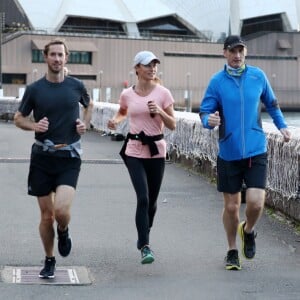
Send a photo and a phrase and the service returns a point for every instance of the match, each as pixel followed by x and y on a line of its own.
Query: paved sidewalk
pixel 188 237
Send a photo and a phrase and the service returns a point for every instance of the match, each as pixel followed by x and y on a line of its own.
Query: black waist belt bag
pixel 145 139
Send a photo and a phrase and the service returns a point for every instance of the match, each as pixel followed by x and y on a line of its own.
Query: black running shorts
pixel 46 173
pixel 231 174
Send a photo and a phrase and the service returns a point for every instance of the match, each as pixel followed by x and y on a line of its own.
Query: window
pixel 37 56
pixel 263 24
pixel 80 58
pixel 14 78
pixel 75 57
pixel 89 25
pixel 85 77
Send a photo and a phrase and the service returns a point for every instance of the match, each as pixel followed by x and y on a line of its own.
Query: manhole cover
pixel 30 275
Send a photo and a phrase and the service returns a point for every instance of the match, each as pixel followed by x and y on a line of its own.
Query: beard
pixel 54 70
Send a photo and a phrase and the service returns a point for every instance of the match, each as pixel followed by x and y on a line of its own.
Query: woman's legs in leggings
pixel 146 176
pixel 155 172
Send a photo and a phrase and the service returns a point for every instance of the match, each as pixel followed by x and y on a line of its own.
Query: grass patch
pixel 282 218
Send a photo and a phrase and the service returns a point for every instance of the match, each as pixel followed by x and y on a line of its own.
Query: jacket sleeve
pixel 209 104
pixel 272 105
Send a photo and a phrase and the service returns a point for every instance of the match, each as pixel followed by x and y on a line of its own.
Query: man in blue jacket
pixel 232 101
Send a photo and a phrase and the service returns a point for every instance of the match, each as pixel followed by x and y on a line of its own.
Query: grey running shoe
pixel 248 241
pixel 64 242
pixel 232 260
pixel 147 255
pixel 49 268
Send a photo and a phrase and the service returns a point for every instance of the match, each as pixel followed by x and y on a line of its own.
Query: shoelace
pixel 250 236
pixel 49 264
pixel 232 255
pixel 146 251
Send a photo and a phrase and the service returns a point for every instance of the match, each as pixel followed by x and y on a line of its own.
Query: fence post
pixel 298 191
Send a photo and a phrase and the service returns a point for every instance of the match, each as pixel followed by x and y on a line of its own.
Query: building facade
pixel 104 41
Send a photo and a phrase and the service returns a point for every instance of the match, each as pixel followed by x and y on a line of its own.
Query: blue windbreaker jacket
pixel 238 101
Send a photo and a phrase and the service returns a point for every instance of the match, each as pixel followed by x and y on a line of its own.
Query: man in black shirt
pixel 55 155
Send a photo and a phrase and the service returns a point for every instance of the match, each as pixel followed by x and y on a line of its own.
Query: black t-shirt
pixel 59 103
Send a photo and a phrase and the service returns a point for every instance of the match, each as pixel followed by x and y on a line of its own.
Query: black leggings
pixel 146 176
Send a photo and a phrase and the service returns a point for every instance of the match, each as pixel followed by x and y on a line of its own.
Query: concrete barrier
pixel 196 148
pixel 8 106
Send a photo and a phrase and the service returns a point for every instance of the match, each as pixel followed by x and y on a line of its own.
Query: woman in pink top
pixel 149 106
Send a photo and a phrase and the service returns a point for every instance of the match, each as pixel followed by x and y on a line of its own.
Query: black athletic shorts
pixel 231 174
pixel 46 173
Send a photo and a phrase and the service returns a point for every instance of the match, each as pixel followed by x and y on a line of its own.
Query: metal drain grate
pixel 63 276
pixel 30 275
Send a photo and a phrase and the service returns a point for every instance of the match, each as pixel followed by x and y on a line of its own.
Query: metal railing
pixel 107 34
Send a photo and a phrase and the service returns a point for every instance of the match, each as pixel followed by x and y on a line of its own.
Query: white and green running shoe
pixel 147 255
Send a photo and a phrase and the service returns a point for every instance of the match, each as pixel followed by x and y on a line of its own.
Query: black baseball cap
pixel 233 41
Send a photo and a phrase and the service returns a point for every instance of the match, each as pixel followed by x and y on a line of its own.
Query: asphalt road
pixel 188 237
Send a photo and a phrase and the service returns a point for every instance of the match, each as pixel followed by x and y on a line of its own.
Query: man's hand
pixel 42 125
pixel 80 127
pixel 214 119
pixel 286 134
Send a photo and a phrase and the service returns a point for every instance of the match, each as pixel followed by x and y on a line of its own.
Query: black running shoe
pixel 248 241
pixel 232 260
pixel 64 242
pixel 49 268
pixel 147 255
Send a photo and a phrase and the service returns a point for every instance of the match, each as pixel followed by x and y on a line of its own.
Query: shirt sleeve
pixel 27 103
pixel 85 97
pixel 169 100
pixel 123 99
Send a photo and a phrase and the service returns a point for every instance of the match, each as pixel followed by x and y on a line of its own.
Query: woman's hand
pixel 111 124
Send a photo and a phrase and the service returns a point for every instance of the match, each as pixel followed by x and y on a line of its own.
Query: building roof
pixel 127 11
pixel 212 18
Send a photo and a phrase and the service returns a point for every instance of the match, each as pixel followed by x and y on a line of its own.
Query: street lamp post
pixel 34 75
pixel 131 78
pixel 273 81
pixel 160 76
pixel 100 85
pixel 2 16
pixel 188 93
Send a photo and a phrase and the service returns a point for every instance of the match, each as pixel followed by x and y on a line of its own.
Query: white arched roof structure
pixel 212 18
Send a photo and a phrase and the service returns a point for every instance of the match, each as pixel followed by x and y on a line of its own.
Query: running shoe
pixel 147 255
pixel 49 268
pixel 232 260
pixel 64 242
pixel 248 241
